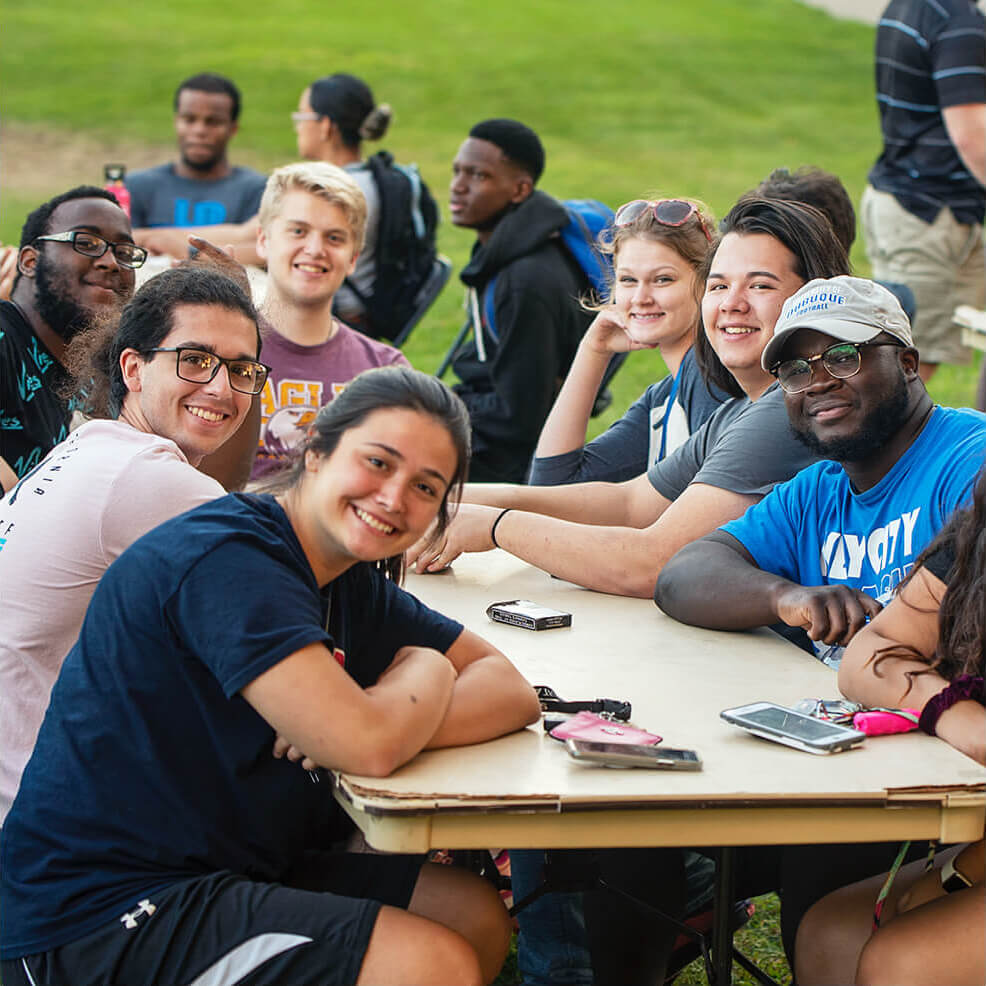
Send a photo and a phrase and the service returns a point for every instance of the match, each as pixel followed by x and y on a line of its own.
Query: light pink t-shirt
pixel 60 528
pixel 301 380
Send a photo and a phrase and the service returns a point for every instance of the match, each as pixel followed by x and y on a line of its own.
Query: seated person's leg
pixel 233 929
pixel 552 946
pixel 468 905
pixel 833 932
pixel 940 942
pixel 808 873
pixel 596 935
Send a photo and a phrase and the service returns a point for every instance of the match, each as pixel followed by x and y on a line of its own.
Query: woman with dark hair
pixel 926 650
pixel 335 115
pixel 659 247
pixel 616 537
pixel 156 839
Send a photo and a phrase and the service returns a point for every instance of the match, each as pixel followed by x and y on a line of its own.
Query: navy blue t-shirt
pixel 150 767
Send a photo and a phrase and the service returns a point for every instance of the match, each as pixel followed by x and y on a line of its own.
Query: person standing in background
pixel 924 206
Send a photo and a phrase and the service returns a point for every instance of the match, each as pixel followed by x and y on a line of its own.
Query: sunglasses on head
pixel 668 212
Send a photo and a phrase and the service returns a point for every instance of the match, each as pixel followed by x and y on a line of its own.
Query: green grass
pixel 699 99
pixel 687 99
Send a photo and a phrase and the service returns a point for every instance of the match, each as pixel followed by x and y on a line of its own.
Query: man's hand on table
pixel 468 531
pixel 830 614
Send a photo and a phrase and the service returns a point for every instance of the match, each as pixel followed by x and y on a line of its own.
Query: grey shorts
pixel 942 262
pixel 225 930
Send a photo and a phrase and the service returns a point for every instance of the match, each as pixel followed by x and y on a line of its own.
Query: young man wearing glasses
pixel 312 223
pixel 166 387
pixel 75 265
pixel 825 550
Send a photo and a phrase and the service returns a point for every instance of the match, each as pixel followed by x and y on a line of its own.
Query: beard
pixel 203 166
pixel 876 430
pixel 55 303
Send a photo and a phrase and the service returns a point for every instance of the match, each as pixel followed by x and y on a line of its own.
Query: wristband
pixel 499 517
pixel 965 687
pixel 952 879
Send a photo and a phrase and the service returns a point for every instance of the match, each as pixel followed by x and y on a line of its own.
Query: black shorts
pixel 223 929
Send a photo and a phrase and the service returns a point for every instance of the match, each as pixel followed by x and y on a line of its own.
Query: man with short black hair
pixel 511 370
pixel 200 189
pixel 825 550
pixel 75 265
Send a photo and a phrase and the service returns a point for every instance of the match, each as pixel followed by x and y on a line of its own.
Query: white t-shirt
pixel 60 528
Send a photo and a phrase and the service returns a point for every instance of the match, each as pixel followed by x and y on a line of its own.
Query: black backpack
pixel 405 252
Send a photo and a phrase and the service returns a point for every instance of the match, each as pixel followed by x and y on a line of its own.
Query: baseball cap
pixel 852 309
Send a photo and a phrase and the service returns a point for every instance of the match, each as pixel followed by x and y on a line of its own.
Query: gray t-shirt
pixel 633 443
pixel 346 303
pixel 159 197
pixel 746 447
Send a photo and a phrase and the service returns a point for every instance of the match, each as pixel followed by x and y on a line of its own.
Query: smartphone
pixel 530 616
pixel 774 722
pixel 630 755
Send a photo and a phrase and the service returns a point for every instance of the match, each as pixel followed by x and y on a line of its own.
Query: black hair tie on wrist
pixel 499 517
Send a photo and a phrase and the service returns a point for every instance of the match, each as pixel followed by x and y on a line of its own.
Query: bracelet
pixel 499 517
pixel 965 687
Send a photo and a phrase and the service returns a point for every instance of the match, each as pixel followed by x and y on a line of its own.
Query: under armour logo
pixel 143 907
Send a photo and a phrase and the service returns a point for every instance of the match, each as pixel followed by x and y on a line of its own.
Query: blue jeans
pixel 572 937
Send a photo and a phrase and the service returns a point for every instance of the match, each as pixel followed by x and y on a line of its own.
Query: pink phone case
pixel 589 726
pixel 880 722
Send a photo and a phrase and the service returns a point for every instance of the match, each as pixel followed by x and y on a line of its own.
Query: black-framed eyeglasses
pixel 90 245
pixel 841 361
pixel 248 376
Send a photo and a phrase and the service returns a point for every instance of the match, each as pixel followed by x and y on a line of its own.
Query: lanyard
pixel 667 412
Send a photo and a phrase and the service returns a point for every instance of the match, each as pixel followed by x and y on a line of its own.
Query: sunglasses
pixel 668 212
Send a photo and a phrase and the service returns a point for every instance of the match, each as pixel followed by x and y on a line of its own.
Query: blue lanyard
pixel 667 412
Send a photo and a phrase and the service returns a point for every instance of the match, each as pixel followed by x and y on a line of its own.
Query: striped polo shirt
pixel 930 54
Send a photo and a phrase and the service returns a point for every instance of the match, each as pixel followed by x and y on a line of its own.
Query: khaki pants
pixel 941 262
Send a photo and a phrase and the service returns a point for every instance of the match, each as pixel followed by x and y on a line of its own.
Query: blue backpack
pixel 587 218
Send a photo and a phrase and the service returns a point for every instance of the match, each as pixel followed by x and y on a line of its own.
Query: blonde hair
pixel 324 180
pixel 689 241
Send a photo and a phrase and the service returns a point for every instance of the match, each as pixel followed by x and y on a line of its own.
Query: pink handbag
pixel 590 726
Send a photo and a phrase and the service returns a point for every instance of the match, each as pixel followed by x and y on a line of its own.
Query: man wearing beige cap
pixel 825 550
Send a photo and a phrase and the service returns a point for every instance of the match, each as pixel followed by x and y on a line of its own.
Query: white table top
pixel 524 790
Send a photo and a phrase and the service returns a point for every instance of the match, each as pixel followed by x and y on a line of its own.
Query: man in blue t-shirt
pixel 201 189
pixel 825 550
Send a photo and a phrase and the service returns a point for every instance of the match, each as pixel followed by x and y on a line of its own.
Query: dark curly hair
pixel 93 358
pixel 961 645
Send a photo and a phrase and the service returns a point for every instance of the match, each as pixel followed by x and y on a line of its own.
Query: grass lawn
pixel 635 97
pixel 661 96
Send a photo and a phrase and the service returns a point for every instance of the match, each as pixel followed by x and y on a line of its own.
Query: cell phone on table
pixel 782 725
pixel 530 616
pixel 631 755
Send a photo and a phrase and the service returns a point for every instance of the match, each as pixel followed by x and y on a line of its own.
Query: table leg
pixel 722 928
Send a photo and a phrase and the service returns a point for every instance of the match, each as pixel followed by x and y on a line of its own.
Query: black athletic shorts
pixel 225 930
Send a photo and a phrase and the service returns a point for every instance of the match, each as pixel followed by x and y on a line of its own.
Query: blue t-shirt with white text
pixel 815 530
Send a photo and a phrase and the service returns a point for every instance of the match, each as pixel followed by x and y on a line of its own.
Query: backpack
pixel 405 252
pixel 587 218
